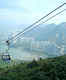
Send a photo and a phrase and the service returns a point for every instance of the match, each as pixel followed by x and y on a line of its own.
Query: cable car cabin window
pixel 6 58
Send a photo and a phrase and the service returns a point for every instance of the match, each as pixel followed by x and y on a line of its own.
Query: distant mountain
pixel 42 32
pixel 45 32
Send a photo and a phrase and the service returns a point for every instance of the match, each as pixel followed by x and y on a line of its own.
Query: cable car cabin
pixel 6 57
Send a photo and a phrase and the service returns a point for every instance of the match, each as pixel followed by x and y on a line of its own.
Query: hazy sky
pixel 17 12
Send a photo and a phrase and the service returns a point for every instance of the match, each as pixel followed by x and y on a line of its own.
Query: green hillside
pixel 48 69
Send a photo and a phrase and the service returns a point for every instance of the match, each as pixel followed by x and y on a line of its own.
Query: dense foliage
pixel 48 69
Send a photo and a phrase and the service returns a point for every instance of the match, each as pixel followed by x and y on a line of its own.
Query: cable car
pixel 6 57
